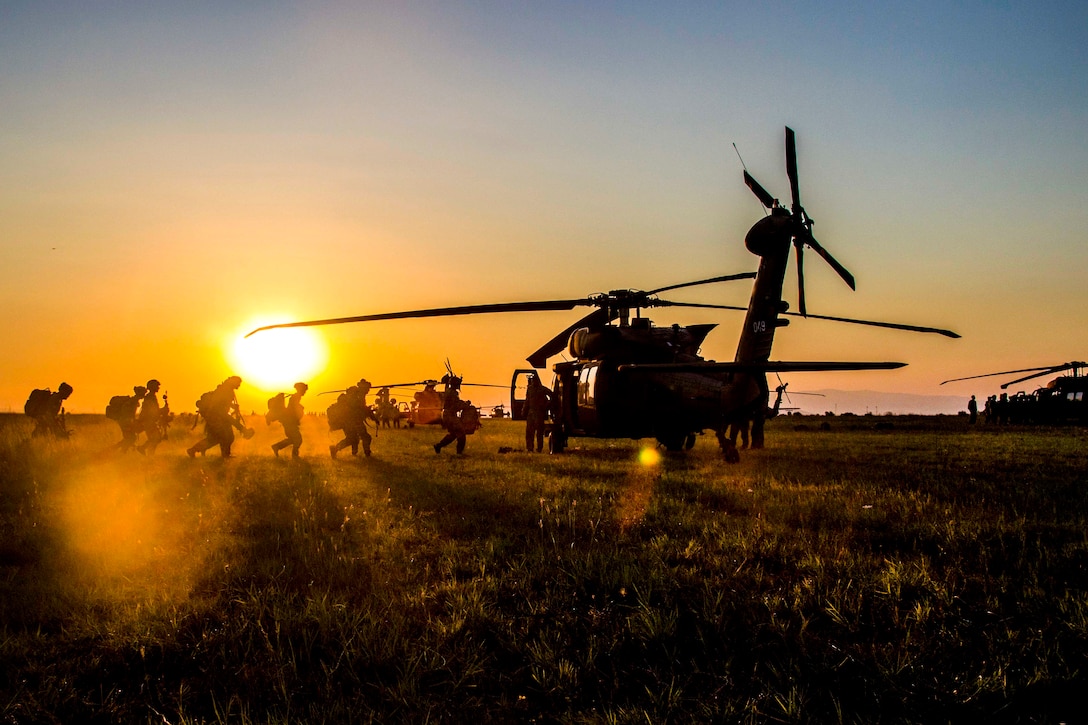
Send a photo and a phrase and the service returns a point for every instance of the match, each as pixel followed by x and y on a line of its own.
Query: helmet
pixel 65 389
pixel 153 384
pixel 140 390
pixel 301 387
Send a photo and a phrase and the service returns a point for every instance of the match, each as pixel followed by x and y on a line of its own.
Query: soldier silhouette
pixel 454 418
pixel 292 422
pixel 221 414
pixel 972 410
pixel 355 413
pixel 122 409
pixel 47 411
pixel 149 421
pixel 537 403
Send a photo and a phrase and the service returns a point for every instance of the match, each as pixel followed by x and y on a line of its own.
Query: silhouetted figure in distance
pixel 972 411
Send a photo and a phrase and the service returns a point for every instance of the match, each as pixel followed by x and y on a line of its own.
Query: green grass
pixel 925 573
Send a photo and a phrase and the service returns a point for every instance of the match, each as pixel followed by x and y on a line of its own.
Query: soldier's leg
pixel 757 433
pixel 449 438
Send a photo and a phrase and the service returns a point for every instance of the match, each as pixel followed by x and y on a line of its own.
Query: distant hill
pixel 861 402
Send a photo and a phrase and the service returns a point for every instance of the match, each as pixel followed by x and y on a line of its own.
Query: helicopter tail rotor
pixel 800 222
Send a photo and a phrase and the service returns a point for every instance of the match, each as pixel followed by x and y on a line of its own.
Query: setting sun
pixel 276 359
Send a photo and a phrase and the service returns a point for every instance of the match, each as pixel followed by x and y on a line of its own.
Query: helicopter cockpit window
pixel 585 386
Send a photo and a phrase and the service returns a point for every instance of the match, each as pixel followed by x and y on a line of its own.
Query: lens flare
pixel 276 359
pixel 649 457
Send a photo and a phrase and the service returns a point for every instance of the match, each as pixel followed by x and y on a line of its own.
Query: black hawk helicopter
pixel 1063 400
pixel 632 379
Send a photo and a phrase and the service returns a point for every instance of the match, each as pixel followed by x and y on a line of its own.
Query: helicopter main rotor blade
pixel 870 323
pixel 1044 370
pixel 712 280
pixel 842 271
pixel 791 169
pixel 762 194
pixel 801 279
pixel 1051 371
pixel 543 306
pixel 770 366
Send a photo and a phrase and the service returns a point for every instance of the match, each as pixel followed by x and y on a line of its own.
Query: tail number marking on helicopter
pixel 759 326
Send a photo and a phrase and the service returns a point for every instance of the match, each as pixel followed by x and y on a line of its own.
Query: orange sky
pixel 170 176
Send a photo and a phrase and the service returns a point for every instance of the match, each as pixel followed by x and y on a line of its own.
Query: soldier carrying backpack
pixel 291 418
pixel 350 413
pixel 221 414
pixel 46 409
pixel 122 410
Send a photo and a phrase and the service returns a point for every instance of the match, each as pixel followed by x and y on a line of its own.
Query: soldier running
pixel 122 409
pixel 459 418
pixel 292 422
pixel 47 411
pixel 149 419
pixel 356 413
pixel 221 414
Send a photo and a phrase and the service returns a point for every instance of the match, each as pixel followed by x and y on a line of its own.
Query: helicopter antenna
pixel 744 167
pixel 742 164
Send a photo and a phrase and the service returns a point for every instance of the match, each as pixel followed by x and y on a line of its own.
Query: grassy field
pixel 883 570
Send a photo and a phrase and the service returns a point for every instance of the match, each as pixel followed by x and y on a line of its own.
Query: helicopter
pixel 1062 400
pixel 631 379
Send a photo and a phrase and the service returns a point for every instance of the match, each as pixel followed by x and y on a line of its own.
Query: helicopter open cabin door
pixel 519 385
pixel 587 398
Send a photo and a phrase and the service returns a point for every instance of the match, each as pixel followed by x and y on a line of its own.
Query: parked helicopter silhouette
pixel 635 380
pixel 1062 400
pixel 426 405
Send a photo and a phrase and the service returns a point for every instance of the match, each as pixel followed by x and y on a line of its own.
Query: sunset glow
pixel 276 359
pixel 170 172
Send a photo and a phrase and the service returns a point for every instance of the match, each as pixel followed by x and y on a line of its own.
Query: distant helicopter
pixel 426 406
pixel 635 380
pixel 1062 400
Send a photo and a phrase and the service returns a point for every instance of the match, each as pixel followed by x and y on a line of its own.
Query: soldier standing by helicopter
pixel 538 401
pixel 221 414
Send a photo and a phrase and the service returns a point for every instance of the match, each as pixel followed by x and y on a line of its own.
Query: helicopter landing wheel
pixel 556 442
